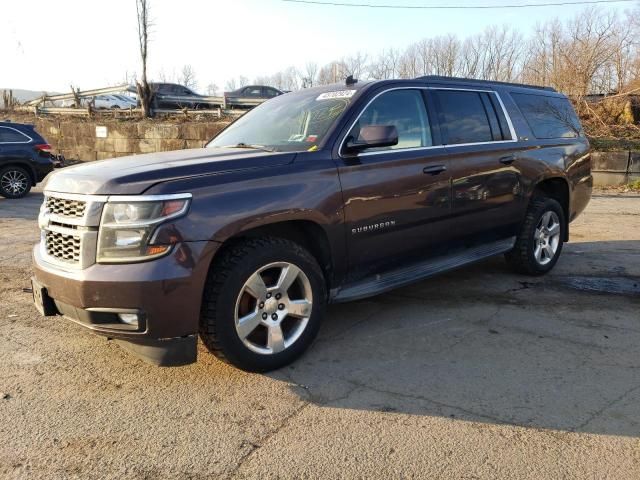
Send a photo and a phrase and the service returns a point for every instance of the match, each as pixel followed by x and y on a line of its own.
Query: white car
pixel 125 98
pixel 110 101
pixel 104 102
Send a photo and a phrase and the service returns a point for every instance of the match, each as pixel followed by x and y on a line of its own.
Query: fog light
pixel 129 318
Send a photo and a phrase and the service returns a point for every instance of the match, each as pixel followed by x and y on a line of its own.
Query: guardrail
pixel 222 102
pixel 215 101
pixel 86 112
pixel 86 93
pixel 185 104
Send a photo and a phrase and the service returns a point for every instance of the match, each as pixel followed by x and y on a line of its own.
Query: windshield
pixel 287 123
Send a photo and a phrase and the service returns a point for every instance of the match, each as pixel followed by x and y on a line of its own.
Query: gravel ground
pixel 479 373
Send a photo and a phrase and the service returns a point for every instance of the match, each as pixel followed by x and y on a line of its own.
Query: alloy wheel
pixel 546 238
pixel 14 182
pixel 273 308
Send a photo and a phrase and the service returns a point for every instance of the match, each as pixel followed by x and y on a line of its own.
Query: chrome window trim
pixel 514 138
pixel 21 133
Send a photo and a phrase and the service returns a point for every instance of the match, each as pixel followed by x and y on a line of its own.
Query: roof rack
pixel 475 80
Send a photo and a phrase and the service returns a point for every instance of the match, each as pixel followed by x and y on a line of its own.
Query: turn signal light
pixel 157 249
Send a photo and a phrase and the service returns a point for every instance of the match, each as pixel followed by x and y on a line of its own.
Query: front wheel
pixel 263 304
pixel 539 243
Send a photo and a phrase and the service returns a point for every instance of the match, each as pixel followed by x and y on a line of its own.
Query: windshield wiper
pixel 254 147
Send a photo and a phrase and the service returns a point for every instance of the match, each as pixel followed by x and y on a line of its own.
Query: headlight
pixel 128 224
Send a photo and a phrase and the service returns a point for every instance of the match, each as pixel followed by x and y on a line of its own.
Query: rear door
pixel 395 196
pixel 487 194
pixel 14 145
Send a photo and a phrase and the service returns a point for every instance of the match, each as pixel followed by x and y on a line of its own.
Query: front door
pixel 395 197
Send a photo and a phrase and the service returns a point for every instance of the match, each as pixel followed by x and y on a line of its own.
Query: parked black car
pixel 327 194
pixel 251 92
pixel 172 95
pixel 25 159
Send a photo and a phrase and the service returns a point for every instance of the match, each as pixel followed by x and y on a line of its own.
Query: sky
pixel 48 46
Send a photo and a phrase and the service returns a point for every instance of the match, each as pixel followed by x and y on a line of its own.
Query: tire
pixel 15 182
pixel 537 248
pixel 274 336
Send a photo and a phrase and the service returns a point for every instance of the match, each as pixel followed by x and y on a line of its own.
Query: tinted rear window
pixel 9 135
pixel 548 117
pixel 464 117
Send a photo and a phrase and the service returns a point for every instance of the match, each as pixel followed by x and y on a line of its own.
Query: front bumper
pixel 166 293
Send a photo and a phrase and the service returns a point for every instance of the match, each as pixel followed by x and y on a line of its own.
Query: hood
pixel 134 174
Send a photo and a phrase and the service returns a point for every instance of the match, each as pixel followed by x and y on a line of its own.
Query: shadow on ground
pixel 481 344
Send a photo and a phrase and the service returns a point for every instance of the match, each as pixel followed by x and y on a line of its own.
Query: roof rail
pixel 475 80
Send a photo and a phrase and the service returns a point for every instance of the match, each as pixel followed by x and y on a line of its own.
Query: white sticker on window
pixel 336 94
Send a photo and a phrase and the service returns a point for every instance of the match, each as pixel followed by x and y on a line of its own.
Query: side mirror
pixel 373 136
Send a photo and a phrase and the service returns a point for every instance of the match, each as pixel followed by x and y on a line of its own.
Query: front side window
pixel 10 135
pixel 286 123
pixel 548 117
pixel 405 110
pixel 464 118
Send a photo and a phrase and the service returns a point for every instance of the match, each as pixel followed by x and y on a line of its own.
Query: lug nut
pixel 274 316
pixel 268 295
pixel 261 305
pixel 264 316
pixel 281 306
pixel 278 296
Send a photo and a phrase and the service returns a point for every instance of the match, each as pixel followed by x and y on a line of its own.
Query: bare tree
pixel 212 88
pixel 309 75
pixel 355 65
pixel 329 73
pixel 188 77
pixel 386 65
pixel 144 92
pixel 236 83
pixel 231 85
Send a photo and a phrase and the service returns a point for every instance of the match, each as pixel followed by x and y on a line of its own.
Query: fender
pixel 229 204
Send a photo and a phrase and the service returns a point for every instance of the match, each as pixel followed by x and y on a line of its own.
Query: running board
pixel 406 275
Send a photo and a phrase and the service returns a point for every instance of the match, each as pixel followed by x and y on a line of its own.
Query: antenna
pixel 350 81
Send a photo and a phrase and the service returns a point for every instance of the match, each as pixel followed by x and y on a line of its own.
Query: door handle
pixel 508 159
pixel 434 169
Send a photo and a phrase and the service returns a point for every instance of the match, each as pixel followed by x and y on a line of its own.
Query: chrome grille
pixel 69 226
pixel 66 207
pixel 63 247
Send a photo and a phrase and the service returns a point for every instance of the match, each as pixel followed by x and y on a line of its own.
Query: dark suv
pixel 324 195
pixel 25 159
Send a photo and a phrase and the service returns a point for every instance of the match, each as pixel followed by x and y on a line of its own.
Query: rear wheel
pixel 539 243
pixel 15 182
pixel 263 304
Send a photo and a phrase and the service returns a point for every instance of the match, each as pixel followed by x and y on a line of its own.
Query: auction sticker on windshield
pixel 336 94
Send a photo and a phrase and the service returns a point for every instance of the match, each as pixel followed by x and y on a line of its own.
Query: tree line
pixel 594 52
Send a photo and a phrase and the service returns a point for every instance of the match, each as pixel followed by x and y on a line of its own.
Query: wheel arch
pixel 21 164
pixel 558 189
pixel 307 233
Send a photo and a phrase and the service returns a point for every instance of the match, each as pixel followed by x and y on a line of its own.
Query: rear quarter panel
pixel 542 159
